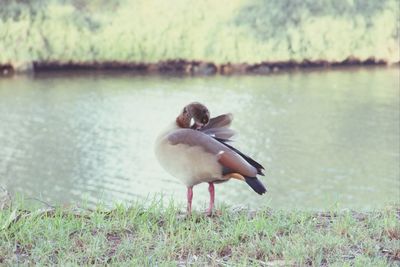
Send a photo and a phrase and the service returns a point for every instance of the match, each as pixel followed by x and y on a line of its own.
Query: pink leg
pixel 212 196
pixel 189 199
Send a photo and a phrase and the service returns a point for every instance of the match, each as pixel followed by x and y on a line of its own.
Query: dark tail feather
pixel 256 185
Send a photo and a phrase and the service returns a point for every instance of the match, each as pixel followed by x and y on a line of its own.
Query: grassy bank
pixel 157 235
pixel 239 31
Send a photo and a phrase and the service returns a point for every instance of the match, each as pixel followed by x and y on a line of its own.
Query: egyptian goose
pixel 200 153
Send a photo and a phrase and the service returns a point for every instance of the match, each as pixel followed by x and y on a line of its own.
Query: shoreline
pixel 189 67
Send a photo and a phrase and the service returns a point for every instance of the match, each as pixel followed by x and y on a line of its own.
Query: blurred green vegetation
pixel 219 31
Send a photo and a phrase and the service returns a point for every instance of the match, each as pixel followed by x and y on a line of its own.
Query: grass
pixel 155 235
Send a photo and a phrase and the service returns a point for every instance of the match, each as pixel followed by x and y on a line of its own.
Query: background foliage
pixel 220 31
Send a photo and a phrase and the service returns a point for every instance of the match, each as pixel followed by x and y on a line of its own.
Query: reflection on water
pixel 326 138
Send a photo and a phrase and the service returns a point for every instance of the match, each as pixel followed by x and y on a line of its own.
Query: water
pixel 326 138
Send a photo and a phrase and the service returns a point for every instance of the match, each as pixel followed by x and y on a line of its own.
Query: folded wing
pixel 218 128
pixel 225 155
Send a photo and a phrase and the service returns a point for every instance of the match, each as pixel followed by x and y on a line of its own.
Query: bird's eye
pixel 184 111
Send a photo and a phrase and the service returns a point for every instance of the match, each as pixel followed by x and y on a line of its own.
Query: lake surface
pixel 327 138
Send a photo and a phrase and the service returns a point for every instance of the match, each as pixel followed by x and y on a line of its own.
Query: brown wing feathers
pixel 218 129
pixel 251 161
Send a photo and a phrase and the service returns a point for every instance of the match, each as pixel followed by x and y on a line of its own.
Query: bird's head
pixel 196 111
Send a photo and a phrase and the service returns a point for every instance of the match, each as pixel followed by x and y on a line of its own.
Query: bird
pixel 195 148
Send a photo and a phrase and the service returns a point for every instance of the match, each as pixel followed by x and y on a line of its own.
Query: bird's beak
pixel 197 126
